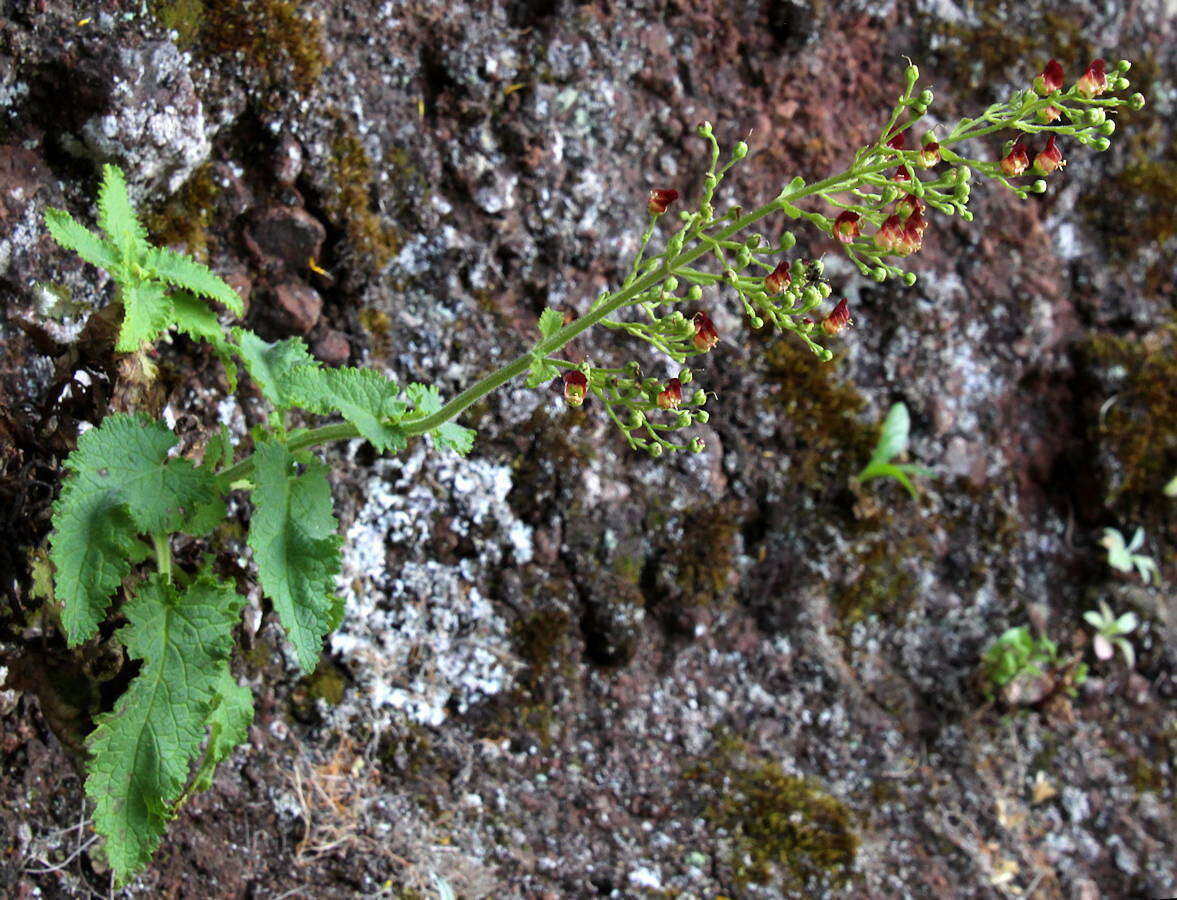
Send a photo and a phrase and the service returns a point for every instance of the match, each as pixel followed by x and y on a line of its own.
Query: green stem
pixel 163 555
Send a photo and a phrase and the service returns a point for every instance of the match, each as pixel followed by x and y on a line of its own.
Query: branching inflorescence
pixel 126 496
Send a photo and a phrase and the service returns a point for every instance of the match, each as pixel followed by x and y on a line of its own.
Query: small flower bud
pixel 846 226
pixel 671 396
pixel 1136 101
pixel 705 336
pixel 660 200
pixel 1094 81
pixel 1050 80
pixel 909 278
pixel 837 320
pixel 740 150
pixel 1016 161
pixel 575 387
pixel 1095 116
pixel 929 154
pixel 1049 159
pixel 756 322
pixel 695 293
pixel 683 419
pixel 912 75
pixel 1099 144
pixel 702 417
pixel 697 445
pixel 685 375
pixel 824 289
pixel 926 97
pixel 655 450
pixel 1038 187
pixel 637 419
pixel 811 296
pixel 897 141
pixel 879 274
pixel 699 398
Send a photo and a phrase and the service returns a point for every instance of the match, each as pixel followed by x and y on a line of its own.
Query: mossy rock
pixel 783 830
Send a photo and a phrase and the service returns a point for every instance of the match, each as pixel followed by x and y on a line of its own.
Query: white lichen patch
pixel 423 639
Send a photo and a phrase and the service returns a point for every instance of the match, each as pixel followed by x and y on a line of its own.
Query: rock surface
pixel 568 670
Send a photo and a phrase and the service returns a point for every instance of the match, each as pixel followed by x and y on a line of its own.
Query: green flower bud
pixel 695 293
pixel 1029 97
pixel 964 174
pixel 1107 128
pixel 744 257
pixel 756 322
pixel 655 450
pixel 1136 101
pixel 811 296
pixel 967 216
pixel 824 290
pixel 926 98
pixel 817 268
pixel 702 416
pixel 671 284
pixel 740 150
pixel 825 354
pixel 918 109
pixel 697 445
pixel 637 419
pixel 889 193
pixel 1101 144
pixel 1123 66
pixel 912 75
pixel 754 241
pixel 632 369
pixel 682 420
pixel 704 130
pixel 685 375
pixel 699 398
pixel 788 240
pixel 1095 116
pixel 1038 187
pixel 909 278
pixel 878 273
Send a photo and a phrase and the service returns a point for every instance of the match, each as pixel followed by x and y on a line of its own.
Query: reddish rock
pixel 296 307
pixel 286 236
pixel 240 281
pixel 332 347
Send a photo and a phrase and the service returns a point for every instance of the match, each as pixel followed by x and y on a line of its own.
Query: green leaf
pixel 148 311
pixel 141 751
pixel 72 235
pixel 116 216
pixel 896 428
pixel 218 451
pixel 228 725
pixel 293 537
pixel 193 317
pixel 541 371
pixel 121 484
pixel 364 397
pixel 426 398
pixel 550 321
pixel 271 364
pixel 184 272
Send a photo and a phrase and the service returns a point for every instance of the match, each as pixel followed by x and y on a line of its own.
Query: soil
pixel 567 669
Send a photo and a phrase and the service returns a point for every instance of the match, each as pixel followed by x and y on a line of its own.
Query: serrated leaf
pixel 550 321
pixel 293 537
pixel 228 725
pixel 193 317
pixel 184 272
pixel 367 399
pixel 425 397
pixel 541 372
pixel 218 451
pixel 72 235
pixel 117 217
pixel 148 311
pixel 454 437
pixel 269 364
pixel 121 484
pixel 140 752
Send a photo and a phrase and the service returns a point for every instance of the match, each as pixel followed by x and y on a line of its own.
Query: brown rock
pixel 287 160
pixel 286 236
pixel 240 281
pixel 296 307
pixel 332 347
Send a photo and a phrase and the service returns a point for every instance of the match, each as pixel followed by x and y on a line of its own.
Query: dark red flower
pixel 575 387
pixel 1049 159
pixel 671 396
pixel 837 320
pixel 846 226
pixel 1050 80
pixel 660 200
pixel 706 336
pixel 1094 81
pixel 929 154
pixel 778 279
pixel 890 234
pixel 1016 161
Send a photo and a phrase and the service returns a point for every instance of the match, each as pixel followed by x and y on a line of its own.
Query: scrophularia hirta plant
pixel 126 496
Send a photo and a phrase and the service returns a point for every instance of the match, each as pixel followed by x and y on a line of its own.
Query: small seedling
pixel 1109 632
pixel 1017 653
pixel 893 443
pixel 1124 558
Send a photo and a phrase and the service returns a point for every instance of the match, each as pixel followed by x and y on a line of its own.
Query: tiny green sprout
pixel 1124 558
pixel 892 443
pixel 1109 632
pixel 1015 654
